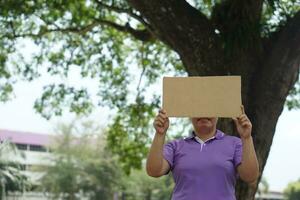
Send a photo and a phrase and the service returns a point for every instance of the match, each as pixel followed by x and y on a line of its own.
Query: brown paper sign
pixel 213 96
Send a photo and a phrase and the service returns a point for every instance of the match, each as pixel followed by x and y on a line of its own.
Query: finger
pixel 243 109
pixel 162 111
pixel 242 116
pixel 245 124
pixel 162 115
pixel 158 123
pixel 241 120
pixel 161 120
pixel 165 118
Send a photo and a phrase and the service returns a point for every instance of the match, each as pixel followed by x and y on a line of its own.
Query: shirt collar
pixel 219 135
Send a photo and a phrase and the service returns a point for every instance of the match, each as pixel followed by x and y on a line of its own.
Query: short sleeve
pixel 168 153
pixel 238 153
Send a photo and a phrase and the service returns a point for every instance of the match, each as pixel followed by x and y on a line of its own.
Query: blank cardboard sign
pixel 213 96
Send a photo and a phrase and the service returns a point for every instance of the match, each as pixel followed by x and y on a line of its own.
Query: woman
pixel 204 166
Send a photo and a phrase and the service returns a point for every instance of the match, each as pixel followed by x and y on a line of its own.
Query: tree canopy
pixel 97 40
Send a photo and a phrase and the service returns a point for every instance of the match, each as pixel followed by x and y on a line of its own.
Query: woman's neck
pixel 206 134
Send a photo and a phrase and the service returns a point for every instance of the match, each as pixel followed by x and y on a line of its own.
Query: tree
pixel 80 165
pixel 263 187
pixel 292 192
pixel 11 177
pixel 107 40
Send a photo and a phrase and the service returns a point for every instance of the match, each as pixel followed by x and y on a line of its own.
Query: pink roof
pixel 25 137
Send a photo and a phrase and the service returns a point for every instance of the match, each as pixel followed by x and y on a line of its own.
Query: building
pixel 271 195
pixel 35 155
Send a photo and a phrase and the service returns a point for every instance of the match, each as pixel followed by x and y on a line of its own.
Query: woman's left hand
pixel 243 125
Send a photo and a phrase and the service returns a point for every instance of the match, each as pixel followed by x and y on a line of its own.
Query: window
pixel 37 148
pixel 22 167
pixel 21 146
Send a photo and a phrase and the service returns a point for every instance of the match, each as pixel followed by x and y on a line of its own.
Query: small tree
pixel 263 186
pixel 292 192
pixel 11 177
pixel 80 165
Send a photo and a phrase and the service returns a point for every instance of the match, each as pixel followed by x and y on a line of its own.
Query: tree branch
pixel 228 15
pixel 143 35
pixel 123 10
pixel 171 18
pixel 184 29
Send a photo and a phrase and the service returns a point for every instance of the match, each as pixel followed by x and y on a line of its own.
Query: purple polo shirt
pixel 207 171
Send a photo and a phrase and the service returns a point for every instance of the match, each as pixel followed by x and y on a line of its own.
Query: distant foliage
pixel 292 192
pixel 12 179
pixel 83 167
pixel 80 167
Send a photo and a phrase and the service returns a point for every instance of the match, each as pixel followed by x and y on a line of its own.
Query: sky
pixel 18 114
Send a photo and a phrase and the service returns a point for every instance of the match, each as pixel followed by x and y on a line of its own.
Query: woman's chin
pixel 203 124
pixel 204 127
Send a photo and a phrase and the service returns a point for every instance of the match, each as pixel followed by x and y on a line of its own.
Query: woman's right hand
pixel 161 122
